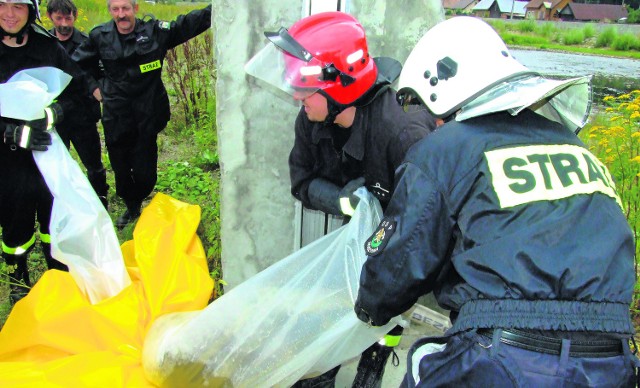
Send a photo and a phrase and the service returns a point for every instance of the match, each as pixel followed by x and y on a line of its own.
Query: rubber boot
pixel 325 380
pixel 129 215
pixel 19 283
pixel 51 262
pixel 371 366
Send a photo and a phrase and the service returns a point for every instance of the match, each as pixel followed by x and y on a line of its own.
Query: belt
pixel 599 347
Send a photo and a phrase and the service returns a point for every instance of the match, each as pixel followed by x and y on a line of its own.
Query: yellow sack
pixel 54 337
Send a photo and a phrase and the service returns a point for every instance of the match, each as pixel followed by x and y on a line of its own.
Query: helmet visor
pixel 284 71
pixel 566 101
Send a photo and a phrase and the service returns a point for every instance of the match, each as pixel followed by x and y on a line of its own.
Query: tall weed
pixel 614 138
pixel 190 73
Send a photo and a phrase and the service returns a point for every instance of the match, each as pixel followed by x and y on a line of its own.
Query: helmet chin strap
pixel 19 36
pixel 334 110
pixel 23 31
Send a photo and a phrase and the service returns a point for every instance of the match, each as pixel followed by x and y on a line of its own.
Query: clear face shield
pixel 285 64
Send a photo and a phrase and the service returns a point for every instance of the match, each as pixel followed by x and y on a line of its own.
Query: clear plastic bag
pixel 82 234
pixel 295 319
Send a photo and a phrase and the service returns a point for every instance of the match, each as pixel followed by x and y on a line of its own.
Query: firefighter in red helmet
pixel 350 131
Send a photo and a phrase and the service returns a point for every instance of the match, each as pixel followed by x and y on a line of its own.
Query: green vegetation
pixel 188 166
pixel 583 40
pixel 614 138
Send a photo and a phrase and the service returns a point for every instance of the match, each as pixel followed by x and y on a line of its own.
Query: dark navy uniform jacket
pixel 40 50
pixel 512 223
pixel 381 134
pixel 89 112
pixel 132 63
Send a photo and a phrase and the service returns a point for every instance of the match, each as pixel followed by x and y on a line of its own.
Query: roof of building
pixel 536 4
pixel 597 11
pixel 505 6
pixel 462 4
pixel 449 4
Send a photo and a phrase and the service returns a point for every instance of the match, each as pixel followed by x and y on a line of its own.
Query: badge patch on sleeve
pixel 376 243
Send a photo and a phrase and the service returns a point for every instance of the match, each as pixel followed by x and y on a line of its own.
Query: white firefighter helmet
pixel 462 66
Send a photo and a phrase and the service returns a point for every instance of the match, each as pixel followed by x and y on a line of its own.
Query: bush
pixel 573 37
pixel 589 31
pixel 528 25
pixel 606 37
pixel 547 30
pixel 626 42
pixel 634 16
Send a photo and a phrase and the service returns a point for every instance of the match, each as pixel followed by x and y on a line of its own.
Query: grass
pixel 583 40
pixel 187 147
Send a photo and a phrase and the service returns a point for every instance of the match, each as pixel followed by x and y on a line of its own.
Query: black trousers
pixel 86 141
pixel 134 157
pixel 24 199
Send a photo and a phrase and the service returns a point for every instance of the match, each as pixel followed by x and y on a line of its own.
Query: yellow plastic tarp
pixel 54 337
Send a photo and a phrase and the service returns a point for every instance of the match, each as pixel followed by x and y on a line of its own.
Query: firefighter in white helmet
pixel 499 213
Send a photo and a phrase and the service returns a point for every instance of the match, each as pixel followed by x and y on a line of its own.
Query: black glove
pixel 324 196
pixel 348 200
pixel 26 137
pixel 32 135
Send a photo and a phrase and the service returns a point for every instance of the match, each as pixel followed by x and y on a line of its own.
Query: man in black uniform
pixel 135 105
pixel 501 212
pixel 23 192
pixel 350 132
pixel 80 126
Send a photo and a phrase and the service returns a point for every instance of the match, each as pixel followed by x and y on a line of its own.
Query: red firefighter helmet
pixel 326 52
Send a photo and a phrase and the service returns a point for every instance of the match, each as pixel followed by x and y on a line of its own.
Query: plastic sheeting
pixel 55 337
pixel 291 320
pixel 82 234
pixel 36 88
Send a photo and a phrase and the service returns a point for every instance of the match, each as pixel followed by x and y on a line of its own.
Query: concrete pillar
pixel 255 124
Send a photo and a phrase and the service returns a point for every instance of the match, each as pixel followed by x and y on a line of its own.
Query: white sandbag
pixel 291 320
